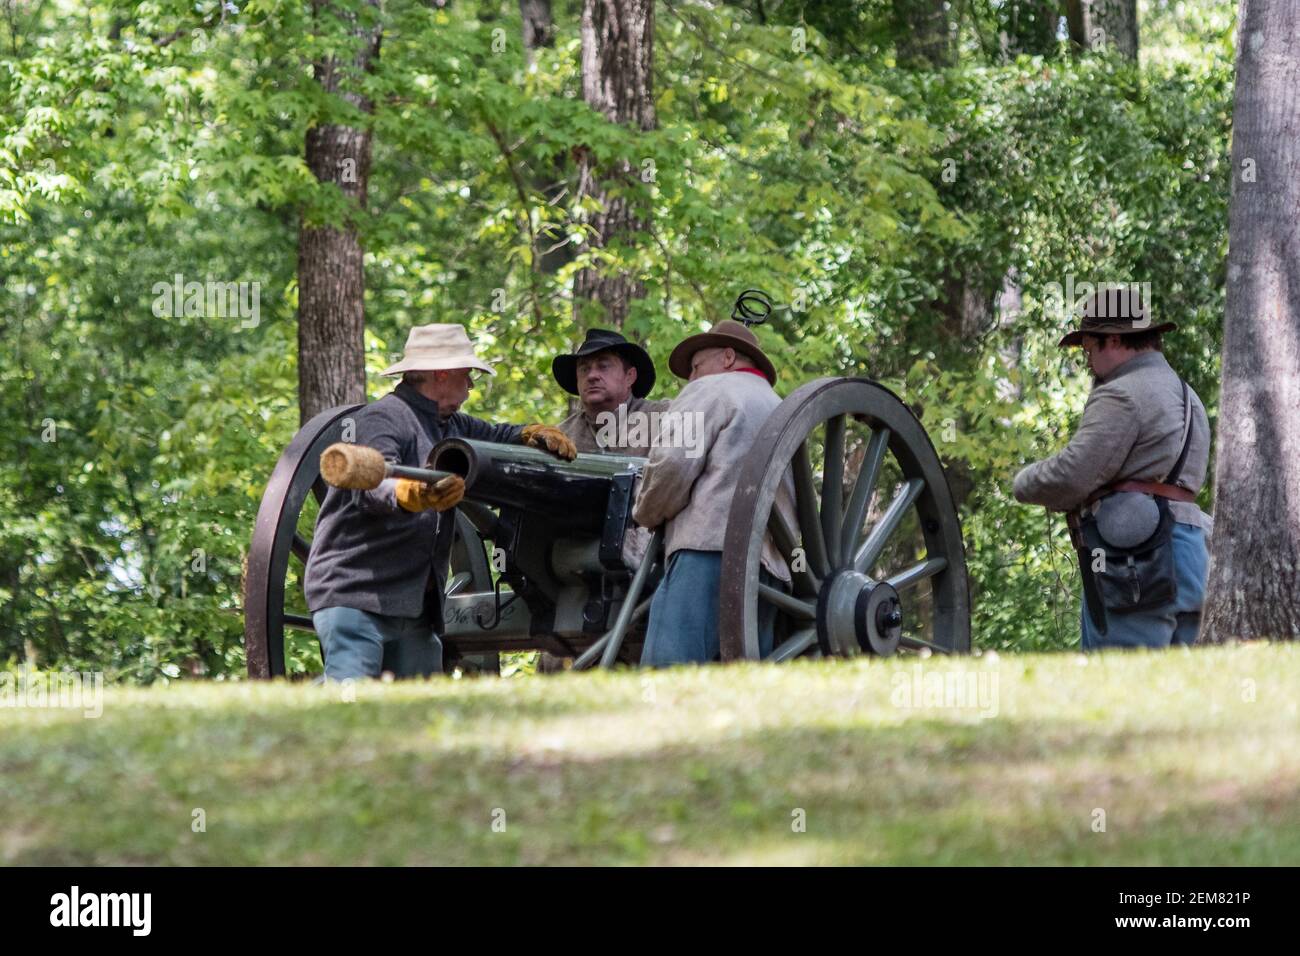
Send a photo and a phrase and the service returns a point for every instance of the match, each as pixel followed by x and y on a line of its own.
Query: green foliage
pixel 139 141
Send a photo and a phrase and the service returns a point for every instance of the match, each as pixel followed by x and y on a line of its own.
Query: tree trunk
pixel 924 34
pixel 617 61
pixel 539 28
pixel 1029 27
pixel 551 251
pixel 924 42
pixel 1100 24
pixel 1255 554
pixel 331 278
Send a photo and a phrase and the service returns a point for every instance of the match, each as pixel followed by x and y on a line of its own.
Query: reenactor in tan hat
pixel 1128 480
pixel 688 486
pixel 379 559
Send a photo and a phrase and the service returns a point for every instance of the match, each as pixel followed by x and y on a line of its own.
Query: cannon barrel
pixel 516 476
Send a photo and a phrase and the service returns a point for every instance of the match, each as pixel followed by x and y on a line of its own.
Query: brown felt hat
pixel 1115 311
pixel 727 334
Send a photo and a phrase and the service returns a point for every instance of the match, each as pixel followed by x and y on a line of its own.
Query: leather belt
pixel 1157 488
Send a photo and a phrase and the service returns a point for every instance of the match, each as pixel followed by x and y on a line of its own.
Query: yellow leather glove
pixel 550 438
pixel 415 495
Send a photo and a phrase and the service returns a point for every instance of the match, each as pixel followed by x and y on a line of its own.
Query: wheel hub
pixel 857 615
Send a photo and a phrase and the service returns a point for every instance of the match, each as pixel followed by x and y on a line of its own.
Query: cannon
pixel 541 557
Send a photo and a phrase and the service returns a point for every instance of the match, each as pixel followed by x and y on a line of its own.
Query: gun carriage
pixel 876 550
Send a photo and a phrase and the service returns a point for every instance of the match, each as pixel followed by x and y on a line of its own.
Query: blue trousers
pixel 1174 623
pixel 683 626
pixel 361 644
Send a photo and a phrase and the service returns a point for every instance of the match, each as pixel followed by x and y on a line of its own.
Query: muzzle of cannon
pixel 577 493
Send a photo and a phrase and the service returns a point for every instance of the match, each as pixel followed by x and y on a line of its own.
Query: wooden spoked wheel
pixel 875 540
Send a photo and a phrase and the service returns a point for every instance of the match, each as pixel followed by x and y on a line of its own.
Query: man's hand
pixel 415 495
pixel 550 438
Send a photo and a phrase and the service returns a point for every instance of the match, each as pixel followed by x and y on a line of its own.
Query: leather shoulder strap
pixel 1172 479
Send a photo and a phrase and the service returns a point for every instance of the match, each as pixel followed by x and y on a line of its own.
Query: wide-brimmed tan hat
pixel 431 348
pixel 727 334
pixel 1115 311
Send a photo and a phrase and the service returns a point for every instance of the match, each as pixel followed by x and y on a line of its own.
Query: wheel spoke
pixel 459 582
pixel 810 528
pixel 862 489
pixel 833 488
pixel 793 646
pixel 888 524
pixel 805 581
pixel 787 602
pixel 319 489
pixel 301 547
pixel 917 573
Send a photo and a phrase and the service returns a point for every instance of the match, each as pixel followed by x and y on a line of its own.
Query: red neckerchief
pixel 753 371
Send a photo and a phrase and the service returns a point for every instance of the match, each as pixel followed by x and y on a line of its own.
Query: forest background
pixel 914 181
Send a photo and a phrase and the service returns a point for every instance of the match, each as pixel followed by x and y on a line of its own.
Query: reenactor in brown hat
pixel 1128 480
pixel 688 486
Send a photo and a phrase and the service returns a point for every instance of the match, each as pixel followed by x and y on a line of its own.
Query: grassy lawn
pixel 1193 756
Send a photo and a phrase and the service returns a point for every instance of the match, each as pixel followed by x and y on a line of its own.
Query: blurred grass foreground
pixel 1186 757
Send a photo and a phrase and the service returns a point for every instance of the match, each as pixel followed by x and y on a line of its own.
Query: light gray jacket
pixel 1132 430
pixel 689 485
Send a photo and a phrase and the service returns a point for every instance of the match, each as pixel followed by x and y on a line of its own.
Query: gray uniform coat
pixel 586 433
pixel 368 552
pixel 1132 430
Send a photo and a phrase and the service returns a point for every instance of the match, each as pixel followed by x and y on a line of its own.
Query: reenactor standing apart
pixel 378 561
pixel 688 487
pixel 1128 480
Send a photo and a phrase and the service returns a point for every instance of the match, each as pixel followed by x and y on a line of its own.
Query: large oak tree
pixel 617 73
pixel 1255 559
pixel 331 278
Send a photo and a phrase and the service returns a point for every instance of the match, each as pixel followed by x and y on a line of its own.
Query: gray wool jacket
pixel 689 485
pixel 368 552
pixel 1132 430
